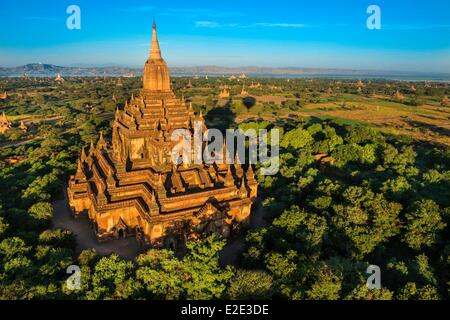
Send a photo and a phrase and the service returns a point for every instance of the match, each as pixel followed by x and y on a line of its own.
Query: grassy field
pixel 429 121
pixel 273 99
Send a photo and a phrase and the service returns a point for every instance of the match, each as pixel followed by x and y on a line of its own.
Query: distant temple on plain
pixel 134 188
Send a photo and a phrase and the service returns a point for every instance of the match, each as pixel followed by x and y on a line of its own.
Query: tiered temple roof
pixel 133 186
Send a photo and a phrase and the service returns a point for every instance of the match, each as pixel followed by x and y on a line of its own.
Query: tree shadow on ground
pixel 221 118
pixel 248 102
pixel 431 127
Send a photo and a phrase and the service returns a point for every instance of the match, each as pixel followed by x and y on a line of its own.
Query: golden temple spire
pixel 79 175
pixel 250 172
pixel 156 76
pixel 91 148
pixel 228 181
pixel 83 155
pixel 101 144
pixel 155 51
pixel 243 190
pixel 236 161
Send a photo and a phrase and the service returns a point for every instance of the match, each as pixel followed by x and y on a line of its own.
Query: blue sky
pixel 415 35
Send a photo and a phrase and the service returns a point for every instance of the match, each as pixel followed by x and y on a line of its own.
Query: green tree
pixel 362 292
pixel 423 224
pixel 326 285
pixel 109 274
pixel 296 139
pixel 250 285
pixel 42 211
pixel 301 227
pixel 161 274
pixel 412 292
pixel 58 238
pixel 11 247
pixel 207 279
pixel 366 219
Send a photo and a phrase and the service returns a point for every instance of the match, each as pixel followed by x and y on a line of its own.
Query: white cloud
pixel 199 12
pixel 279 25
pixel 138 9
pixel 215 24
pixel 207 24
pixel 414 26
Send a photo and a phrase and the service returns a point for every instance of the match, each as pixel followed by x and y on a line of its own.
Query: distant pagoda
pixel 224 94
pixel 134 188
pixel 243 91
pixel 59 78
pixel 360 84
pixel 23 126
pixel 5 124
pixel 398 96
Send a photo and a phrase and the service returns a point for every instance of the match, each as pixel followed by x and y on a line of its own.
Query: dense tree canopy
pixel 346 196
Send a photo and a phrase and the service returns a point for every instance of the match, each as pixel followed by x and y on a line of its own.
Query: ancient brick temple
pixel 5 124
pixel 134 188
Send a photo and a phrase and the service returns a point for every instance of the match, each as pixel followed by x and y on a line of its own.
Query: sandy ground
pixel 129 248
pixel 126 248
pixel 232 251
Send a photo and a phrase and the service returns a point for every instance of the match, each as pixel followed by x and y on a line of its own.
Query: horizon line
pixel 114 65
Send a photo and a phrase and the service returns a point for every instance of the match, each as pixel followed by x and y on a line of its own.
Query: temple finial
pixel 155 51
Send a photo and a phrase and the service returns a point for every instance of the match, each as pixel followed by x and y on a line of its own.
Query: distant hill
pixel 50 70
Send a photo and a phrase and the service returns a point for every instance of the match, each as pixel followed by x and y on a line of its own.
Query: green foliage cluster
pixel 345 197
pixel 369 198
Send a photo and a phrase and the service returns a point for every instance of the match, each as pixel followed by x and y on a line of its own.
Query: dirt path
pixel 126 248
pixel 28 122
pixel 233 250
pixel 129 248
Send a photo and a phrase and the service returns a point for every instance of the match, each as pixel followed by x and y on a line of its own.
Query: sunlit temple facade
pixel 132 186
